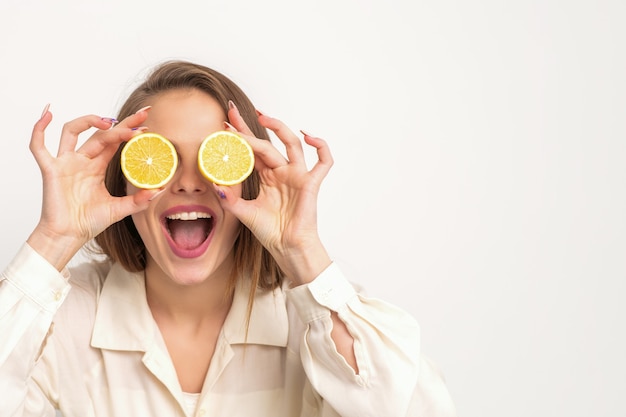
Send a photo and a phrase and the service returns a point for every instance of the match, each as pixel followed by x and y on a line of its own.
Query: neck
pixel 188 303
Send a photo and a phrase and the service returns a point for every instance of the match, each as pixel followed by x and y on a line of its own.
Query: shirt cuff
pixel 37 279
pixel 328 291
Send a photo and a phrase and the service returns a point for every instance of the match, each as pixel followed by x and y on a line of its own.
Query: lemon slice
pixel 149 160
pixel 225 158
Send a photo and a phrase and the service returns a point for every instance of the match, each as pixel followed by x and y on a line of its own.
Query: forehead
pixel 185 115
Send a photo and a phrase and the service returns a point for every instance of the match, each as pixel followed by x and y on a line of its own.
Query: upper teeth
pixel 193 215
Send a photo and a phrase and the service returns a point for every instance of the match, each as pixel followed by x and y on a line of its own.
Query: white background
pixel 479 146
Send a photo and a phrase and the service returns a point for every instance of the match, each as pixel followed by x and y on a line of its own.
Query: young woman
pixel 212 301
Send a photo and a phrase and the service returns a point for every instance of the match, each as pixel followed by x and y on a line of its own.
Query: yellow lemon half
pixel 149 160
pixel 225 158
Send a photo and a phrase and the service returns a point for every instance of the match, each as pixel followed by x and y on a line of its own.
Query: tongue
pixel 188 234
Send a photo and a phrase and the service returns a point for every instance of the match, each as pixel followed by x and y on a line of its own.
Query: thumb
pixel 234 204
pixel 134 203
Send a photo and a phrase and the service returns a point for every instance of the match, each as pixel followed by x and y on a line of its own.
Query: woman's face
pixel 188 236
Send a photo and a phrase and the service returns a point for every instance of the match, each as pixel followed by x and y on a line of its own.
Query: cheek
pixel 139 219
pixel 232 223
pixel 144 220
pixel 231 228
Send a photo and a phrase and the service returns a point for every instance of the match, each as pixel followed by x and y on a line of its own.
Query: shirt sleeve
pixel 31 291
pixel 394 379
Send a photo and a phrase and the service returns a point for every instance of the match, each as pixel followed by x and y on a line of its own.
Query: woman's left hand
pixel 284 215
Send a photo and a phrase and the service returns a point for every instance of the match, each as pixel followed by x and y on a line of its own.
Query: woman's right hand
pixel 76 204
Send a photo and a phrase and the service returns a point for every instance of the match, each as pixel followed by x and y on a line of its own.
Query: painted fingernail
pixel 229 126
pixel 139 129
pixel 231 105
pixel 111 120
pixel 306 134
pixel 259 112
pixel 143 109
pixel 45 110
pixel 155 195
pixel 221 193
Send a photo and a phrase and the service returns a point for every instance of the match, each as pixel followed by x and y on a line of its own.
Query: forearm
pixel 31 291
pixel 361 354
pixel 344 342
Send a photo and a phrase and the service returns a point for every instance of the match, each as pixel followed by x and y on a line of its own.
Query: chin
pixel 196 271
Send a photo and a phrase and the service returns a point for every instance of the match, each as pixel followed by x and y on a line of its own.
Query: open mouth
pixel 188 232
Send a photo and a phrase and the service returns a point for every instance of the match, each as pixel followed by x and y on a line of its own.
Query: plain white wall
pixel 479 178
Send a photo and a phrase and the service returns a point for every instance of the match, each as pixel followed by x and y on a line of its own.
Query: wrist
pixel 303 265
pixel 57 249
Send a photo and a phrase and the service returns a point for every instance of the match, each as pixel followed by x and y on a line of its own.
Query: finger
pixel 123 131
pixel 37 140
pixel 105 143
pixel 266 156
pixel 325 159
pixel 71 130
pixel 293 144
pixel 234 117
pixel 136 119
pixel 232 203
pixel 131 204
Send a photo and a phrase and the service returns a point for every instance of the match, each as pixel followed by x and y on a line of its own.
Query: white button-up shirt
pixel 97 351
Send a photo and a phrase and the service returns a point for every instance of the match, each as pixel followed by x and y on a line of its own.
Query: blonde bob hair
pixel 121 241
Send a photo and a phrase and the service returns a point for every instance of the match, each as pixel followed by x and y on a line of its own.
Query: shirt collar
pixel 124 321
pixel 268 320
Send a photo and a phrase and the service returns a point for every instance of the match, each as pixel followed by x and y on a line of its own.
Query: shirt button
pixel 57 295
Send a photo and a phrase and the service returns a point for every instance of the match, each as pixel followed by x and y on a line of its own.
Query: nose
pixel 188 179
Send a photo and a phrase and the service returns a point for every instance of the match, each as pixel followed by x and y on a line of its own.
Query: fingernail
pixel 139 129
pixel 306 134
pixel 229 126
pixel 155 195
pixel 45 110
pixel 143 109
pixel 231 105
pixel 259 112
pixel 111 120
pixel 221 193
